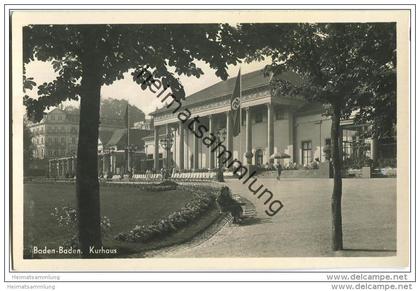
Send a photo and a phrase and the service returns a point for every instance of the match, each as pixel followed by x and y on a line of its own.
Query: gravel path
pixel 302 226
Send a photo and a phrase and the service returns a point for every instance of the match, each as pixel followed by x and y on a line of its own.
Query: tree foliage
pixel 115 109
pixel 349 67
pixel 119 48
pixel 353 64
pixel 86 57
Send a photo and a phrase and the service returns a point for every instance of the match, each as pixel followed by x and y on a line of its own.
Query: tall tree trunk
pixel 87 185
pixel 337 229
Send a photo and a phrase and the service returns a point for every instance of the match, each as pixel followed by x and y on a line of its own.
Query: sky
pixel 127 89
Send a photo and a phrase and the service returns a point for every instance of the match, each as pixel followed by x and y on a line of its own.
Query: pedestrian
pixel 279 169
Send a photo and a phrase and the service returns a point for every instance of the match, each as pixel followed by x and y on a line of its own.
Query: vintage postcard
pixel 210 140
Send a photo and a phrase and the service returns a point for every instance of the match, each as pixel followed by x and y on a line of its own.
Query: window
pixel 347 149
pixel 63 140
pixel 347 144
pixel 280 115
pixel 306 152
pixel 258 117
pixel 150 156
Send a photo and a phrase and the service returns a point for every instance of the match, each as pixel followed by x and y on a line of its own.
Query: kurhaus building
pixel 270 124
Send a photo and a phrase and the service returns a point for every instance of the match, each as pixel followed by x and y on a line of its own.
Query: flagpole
pixel 235 106
pixel 128 137
pixel 240 116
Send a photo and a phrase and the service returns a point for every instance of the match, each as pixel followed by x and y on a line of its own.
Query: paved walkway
pixel 302 227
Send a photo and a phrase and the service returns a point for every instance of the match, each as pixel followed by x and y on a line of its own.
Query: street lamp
pixel 221 137
pixel 166 143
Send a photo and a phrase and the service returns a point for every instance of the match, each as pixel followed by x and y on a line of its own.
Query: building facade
pixel 56 135
pixel 270 124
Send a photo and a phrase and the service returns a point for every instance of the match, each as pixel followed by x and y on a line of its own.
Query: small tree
pixel 86 57
pixel 350 67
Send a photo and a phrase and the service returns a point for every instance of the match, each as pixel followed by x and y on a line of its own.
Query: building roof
pixel 151 136
pixel 251 80
pixel 119 137
pixel 105 135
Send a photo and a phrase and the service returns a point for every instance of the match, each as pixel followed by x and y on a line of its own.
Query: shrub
pixel 357 162
pixel 387 163
pixel 167 183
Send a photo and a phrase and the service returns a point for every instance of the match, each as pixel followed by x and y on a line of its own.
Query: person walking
pixel 279 169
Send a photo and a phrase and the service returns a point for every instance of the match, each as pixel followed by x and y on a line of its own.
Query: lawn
pixel 124 206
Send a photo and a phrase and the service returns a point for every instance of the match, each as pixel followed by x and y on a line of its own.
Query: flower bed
pixel 204 200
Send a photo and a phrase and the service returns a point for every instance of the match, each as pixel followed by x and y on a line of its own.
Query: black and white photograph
pixel 199 138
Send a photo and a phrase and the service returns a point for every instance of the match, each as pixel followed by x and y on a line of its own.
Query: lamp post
pixel 145 163
pixel 221 137
pixel 166 143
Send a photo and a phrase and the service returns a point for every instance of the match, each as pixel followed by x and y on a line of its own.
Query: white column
pixel 229 135
pixel 156 149
pixel 270 131
pixel 211 153
pixel 195 148
pixel 181 145
pixel 248 135
pixel 166 152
